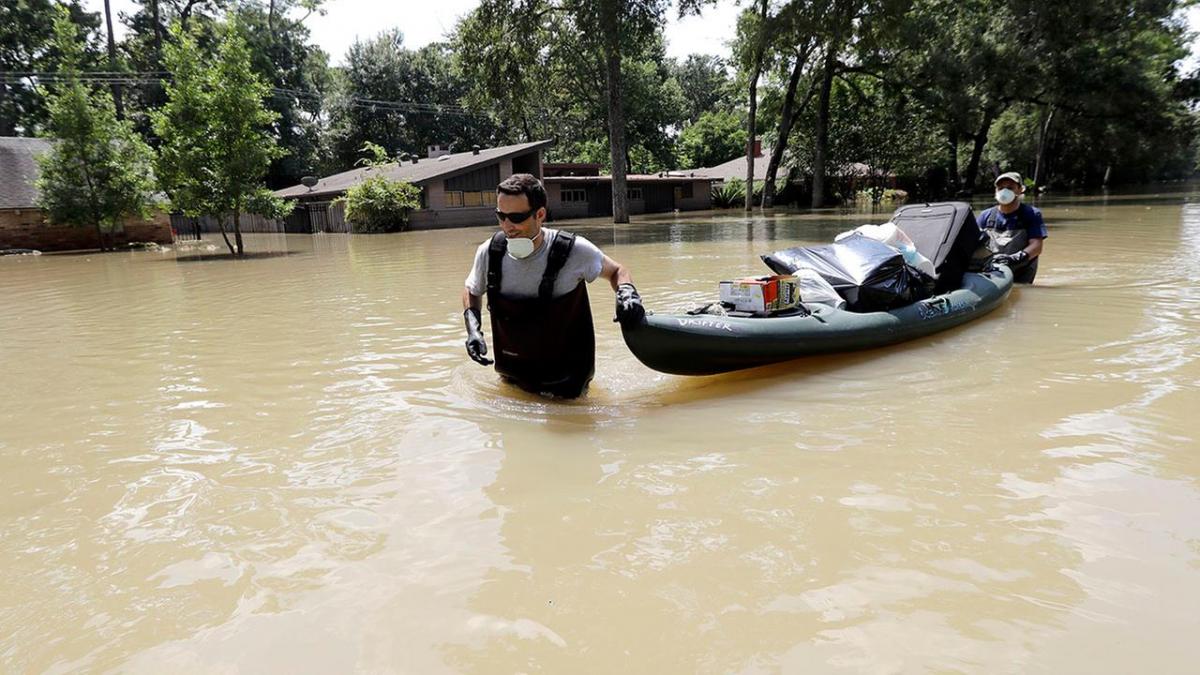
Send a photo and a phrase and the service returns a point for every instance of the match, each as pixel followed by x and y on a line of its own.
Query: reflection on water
pixel 287 464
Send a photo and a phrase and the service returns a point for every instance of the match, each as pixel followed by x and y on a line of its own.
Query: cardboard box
pixel 762 295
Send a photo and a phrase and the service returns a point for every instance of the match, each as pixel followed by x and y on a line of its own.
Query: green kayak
pixel 684 344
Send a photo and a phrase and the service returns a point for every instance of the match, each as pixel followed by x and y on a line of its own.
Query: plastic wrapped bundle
pixel 870 275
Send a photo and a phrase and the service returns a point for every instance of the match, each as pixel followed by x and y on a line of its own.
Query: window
pixel 573 195
pixel 471 198
pixel 683 191
pixel 633 193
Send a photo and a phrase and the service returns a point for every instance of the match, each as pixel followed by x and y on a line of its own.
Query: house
pixel 579 191
pixel 23 224
pixel 854 176
pixel 458 189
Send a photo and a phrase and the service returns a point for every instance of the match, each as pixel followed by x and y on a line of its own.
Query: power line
pixel 156 77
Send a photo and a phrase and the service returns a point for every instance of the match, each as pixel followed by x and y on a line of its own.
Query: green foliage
pixel 551 83
pixel 732 193
pixel 715 138
pixel 378 204
pixel 383 70
pixel 729 194
pixel 215 130
pixel 27 44
pixel 281 56
pixel 266 204
pixel 706 85
pixel 98 172
pixel 373 154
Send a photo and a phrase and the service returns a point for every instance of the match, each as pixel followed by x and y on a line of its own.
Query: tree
pixel 215 130
pixel 757 26
pixel 97 172
pixel 511 43
pixel 404 99
pixel 27 47
pixel 706 85
pixel 792 47
pixel 299 74
pixel 715 138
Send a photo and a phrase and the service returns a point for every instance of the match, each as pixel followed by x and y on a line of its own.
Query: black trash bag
pixel 869 274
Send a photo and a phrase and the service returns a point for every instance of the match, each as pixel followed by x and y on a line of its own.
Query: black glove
pixel 629 306
pixel 1010 259
pixel 476 347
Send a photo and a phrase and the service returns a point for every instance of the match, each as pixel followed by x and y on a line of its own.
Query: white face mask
pixel 1005 196
pixel 520 247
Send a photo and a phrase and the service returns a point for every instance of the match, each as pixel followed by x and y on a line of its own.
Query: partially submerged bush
pixel 732 193
pixel 380 205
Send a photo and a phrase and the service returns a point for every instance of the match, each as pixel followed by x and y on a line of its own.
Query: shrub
pixel 380 205
pixel 732 193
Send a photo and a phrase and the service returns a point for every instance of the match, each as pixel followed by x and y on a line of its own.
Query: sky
pixel 425 21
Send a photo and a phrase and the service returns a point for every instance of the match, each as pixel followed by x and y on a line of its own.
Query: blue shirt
pixel 1025 216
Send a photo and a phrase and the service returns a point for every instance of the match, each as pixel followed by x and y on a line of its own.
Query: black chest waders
pixel 544 345
pixel 1011 241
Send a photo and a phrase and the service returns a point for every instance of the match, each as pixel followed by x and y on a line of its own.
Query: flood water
pixel 288 464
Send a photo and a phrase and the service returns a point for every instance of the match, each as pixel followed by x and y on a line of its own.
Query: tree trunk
pixel 100 237
pixel 616 110
pixel 751 118
pixel 786 119
pixel 157 34
pixel 1043 141
pixel 225 235
pixel 237 231
pixel 953 177
pixel 989 116
pixel 822 135
pixel 8 126
pixel 112 61
pixel 750 158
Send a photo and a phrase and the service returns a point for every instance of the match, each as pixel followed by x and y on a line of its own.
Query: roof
pixel 423 171
pixel 673 177
pixel 18 171
pixel 736 168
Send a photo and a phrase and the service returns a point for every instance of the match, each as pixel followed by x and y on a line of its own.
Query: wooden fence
pixel 306 218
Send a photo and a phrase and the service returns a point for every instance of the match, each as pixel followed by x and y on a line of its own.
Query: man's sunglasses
pixel 514 217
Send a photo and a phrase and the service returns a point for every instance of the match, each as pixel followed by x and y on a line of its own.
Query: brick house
pixel 24 225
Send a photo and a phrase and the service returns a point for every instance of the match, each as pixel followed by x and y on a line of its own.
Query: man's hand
pixel 476 347
pixel 1010 259
pixel 629 306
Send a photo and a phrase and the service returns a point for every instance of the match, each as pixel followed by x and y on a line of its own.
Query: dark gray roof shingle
pixel 19 170
pixel 736 168
pixel 423 171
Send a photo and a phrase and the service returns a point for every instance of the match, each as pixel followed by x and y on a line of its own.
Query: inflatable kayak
pixel 701 344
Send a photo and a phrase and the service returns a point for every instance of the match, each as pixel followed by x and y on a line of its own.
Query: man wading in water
pixel 536 281
pixel 1015 231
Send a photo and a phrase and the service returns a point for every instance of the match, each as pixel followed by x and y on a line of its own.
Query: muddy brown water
pixel 287 464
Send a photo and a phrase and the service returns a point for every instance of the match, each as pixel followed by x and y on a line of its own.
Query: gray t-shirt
pixel 519 279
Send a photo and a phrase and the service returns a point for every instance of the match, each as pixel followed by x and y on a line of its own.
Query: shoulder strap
pixel 560 250
pixel 496 250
